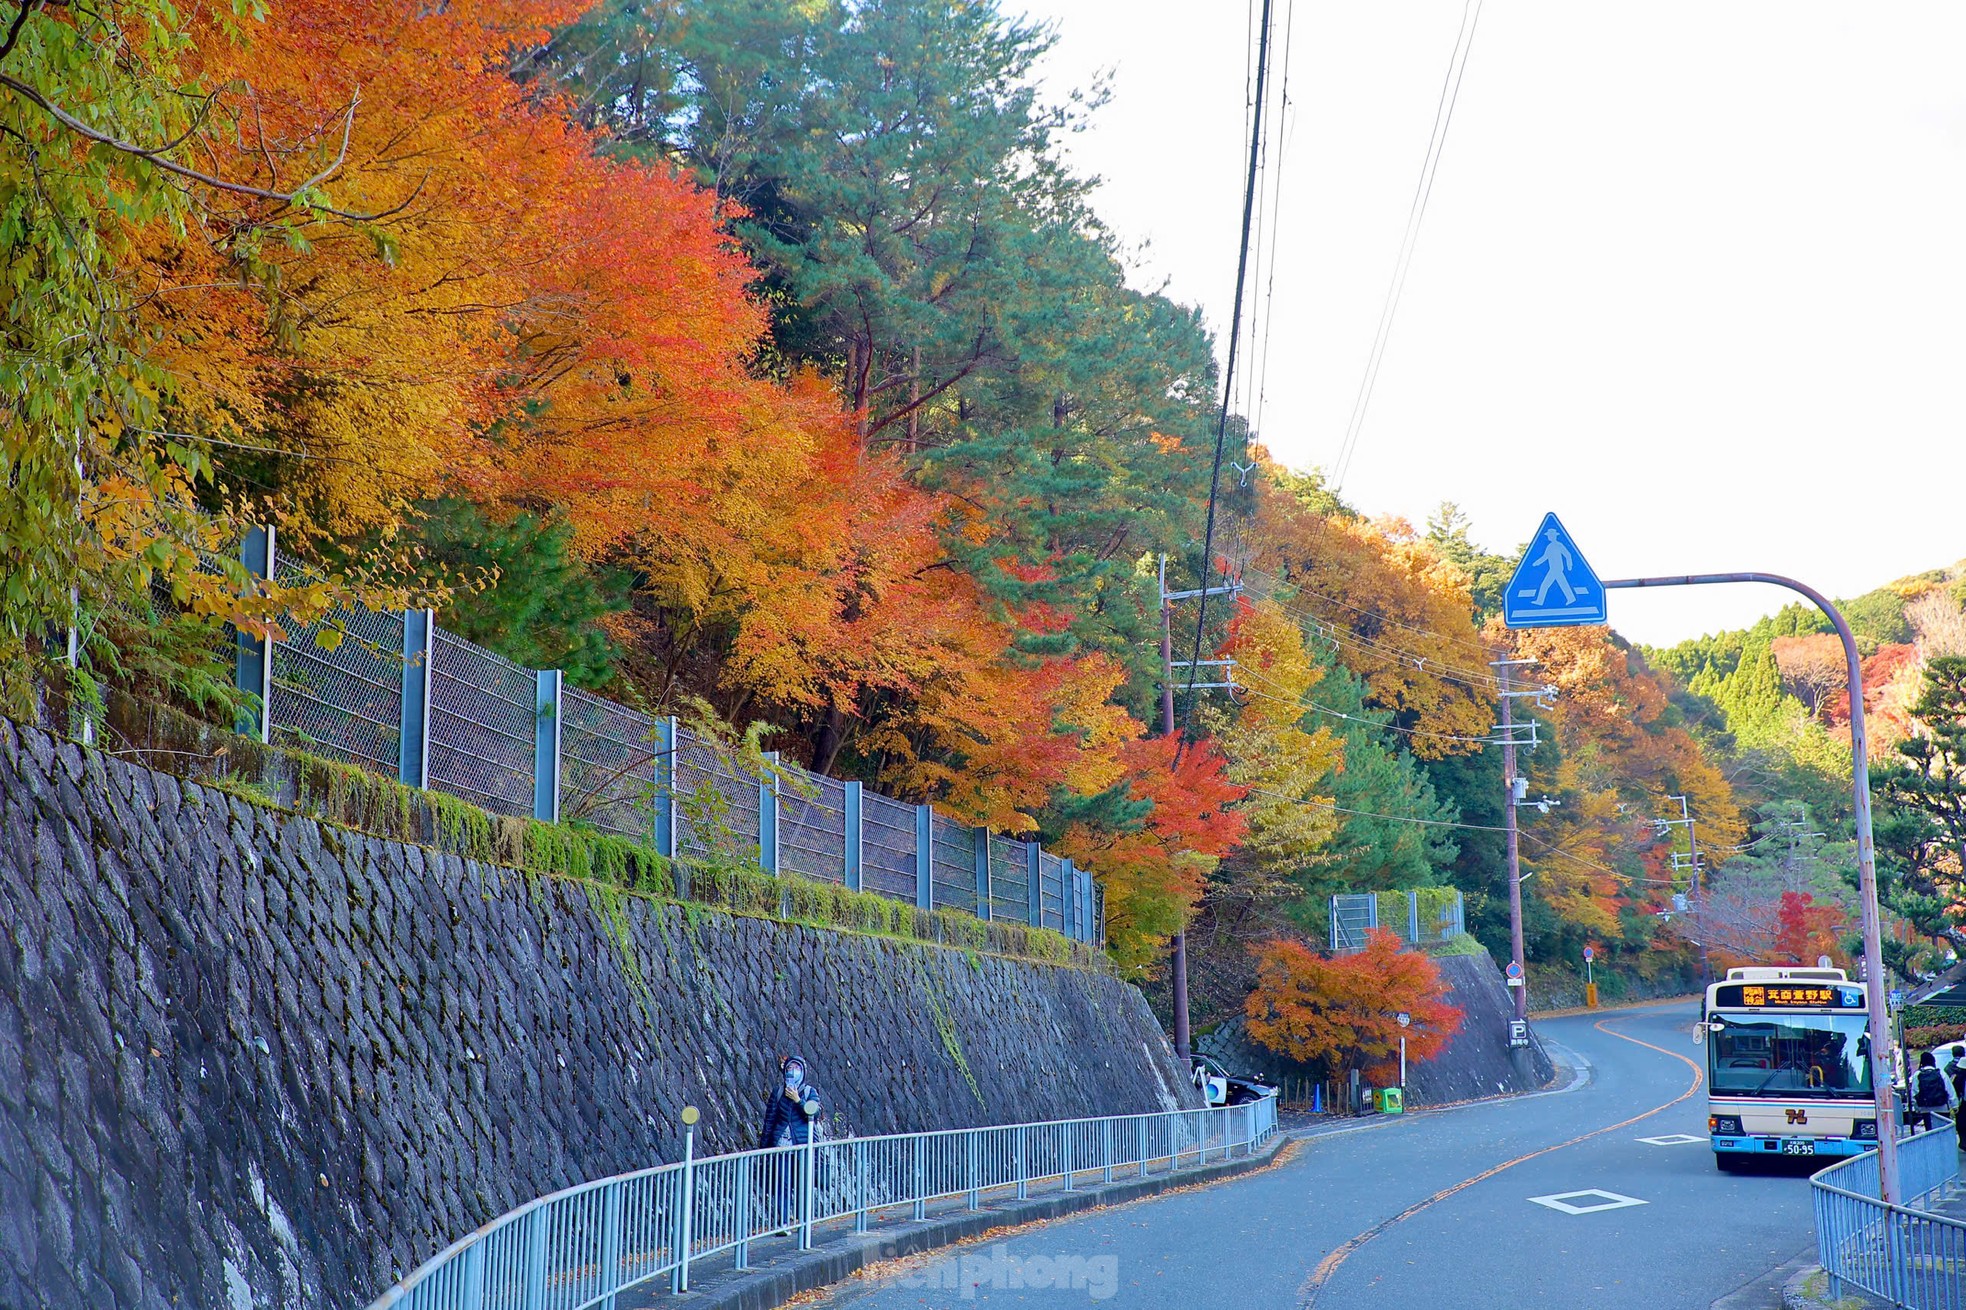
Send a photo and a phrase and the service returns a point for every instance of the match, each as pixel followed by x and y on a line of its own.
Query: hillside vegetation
pixel 767 363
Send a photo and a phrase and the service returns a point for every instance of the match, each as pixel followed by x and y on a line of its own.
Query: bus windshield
pixel 1787 1055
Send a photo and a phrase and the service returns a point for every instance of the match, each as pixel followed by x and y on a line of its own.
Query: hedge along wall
pixel 248 1058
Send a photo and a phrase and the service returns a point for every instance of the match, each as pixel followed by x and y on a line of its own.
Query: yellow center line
pixel 1308 1293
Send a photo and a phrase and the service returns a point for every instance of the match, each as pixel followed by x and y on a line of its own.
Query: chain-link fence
pixel 337 686
pixel 609 758
pixel 1424 916
pixel 397 695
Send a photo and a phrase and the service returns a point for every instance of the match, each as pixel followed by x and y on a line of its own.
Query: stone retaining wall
pixel 250 1060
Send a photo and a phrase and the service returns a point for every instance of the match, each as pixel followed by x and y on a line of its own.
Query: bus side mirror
pixel 1699 1034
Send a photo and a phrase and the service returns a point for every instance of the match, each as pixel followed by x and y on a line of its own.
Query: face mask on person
pixel 794 1077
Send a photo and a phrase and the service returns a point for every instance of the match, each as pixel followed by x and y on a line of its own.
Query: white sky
pixel 1692 274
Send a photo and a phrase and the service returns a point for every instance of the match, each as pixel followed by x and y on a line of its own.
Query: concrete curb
pixel 1798 1294
pixel 846 1255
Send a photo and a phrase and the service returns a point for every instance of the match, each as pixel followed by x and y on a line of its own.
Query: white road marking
pixel 1672 1139
pixel 1561 1201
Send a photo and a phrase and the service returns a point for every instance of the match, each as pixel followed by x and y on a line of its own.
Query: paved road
pixel 1430 1211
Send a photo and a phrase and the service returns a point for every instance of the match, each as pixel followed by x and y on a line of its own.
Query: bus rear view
pixel 1788 1065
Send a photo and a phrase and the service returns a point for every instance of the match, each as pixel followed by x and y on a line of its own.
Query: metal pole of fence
pixel 1023 1167
pixel 686 1186
pixel 1034 870
pixel 768 816
pixel 921 1184
pixel 610 1242
pixel 856 835
pixel 807 1159
pixel 535 1287
pixel 1106 1146
pixel 253 669
pixel 975 1136
pixel 981 839
pixel 865 1178
pixel 546 746
pixel 925 857
pixel 413 738
pixel 742 1259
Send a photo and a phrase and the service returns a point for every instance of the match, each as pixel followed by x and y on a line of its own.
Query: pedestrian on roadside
pixel 790 1111
pixel 1956 1074
pixel 1929 1093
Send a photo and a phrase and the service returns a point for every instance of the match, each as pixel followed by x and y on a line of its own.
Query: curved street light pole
pixel 1880 1043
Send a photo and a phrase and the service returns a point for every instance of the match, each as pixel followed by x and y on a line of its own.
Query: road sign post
pixel 1553 587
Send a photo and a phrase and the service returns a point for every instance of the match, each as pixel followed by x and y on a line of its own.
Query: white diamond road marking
pixel 1607 1201
pixel 1672 1139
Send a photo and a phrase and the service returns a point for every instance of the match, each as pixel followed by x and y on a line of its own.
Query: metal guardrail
pixel 1911 1258
pixel 584 1246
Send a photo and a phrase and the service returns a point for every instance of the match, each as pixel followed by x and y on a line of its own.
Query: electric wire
pixel 1299 587
pixel 1547 845
pixel 1235 342
pixel 1450 95
pixel 1274 225
pixel 1314 707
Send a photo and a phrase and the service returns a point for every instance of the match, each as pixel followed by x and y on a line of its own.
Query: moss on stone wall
pixel 349 797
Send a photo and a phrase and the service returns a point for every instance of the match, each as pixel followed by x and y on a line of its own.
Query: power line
pixel 1340 636
pixel 1450 94
pixel 1235 342
pixel 1316 708
pixel 1297 586
pixel 1550 847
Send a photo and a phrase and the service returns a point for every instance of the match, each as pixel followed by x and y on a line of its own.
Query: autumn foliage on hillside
pixel 1344 1010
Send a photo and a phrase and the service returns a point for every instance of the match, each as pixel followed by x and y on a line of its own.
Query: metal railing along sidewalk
pixel 1909 1256
pixel 584 1246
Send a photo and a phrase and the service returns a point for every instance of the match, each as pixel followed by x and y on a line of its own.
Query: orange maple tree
pixel 1343 1010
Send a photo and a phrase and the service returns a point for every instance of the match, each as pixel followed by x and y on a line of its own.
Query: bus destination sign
pixel 1789 996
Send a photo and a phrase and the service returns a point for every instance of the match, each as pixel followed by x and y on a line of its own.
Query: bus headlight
pixel 1724 1125
pixel 1866 1128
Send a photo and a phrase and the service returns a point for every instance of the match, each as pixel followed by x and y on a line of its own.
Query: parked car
pixel 1220 1087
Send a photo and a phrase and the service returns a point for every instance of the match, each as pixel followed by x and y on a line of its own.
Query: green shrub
pixel 1923 1038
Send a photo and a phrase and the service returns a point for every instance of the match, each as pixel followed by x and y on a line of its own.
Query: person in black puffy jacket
pixel 791 1108
pixel 790 1112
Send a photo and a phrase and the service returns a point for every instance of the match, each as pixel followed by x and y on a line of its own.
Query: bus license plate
pixel 1794 1147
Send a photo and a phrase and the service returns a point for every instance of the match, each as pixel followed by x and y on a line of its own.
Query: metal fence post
pixel 1023 1165
pixel 685 1199
pixel 668 746
pixel 741 1258
pixel 921 1182
pixel 925 856
pixel 610 1242
pixel 1106 1129
pixel 975 1136
pixel 807 1159
pixel 1065 1163
pixel 413 739
pixel 535 1284
pixel 1068 909
pixel 546 747
pixel 471 1292
pixel 856 835
pixel 1035 865
pixel 253 658
pixel 768 817
pixel 1413 917
pixel 864 1177
pixel 982 840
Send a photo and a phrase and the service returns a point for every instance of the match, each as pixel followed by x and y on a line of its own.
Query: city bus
pixel 1788 1065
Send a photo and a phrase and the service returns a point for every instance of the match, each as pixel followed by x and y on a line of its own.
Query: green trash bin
pixel 1392 1100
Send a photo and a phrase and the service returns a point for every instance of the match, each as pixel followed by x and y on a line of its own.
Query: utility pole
pixel 1686 820
pixel 1505 671
pixel 1179 967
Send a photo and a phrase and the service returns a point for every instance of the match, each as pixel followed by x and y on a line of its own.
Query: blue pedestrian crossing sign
pixel 1553 587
